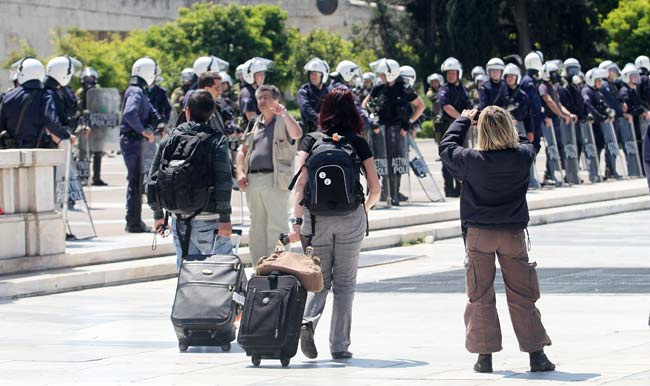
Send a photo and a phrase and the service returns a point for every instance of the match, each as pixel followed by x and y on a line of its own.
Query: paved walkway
pixel 406 334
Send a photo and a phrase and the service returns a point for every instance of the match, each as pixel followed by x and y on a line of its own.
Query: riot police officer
pixel 570 93
pixel 435 81
pixel 58 74
pixel 610 86
pixel 158 98
pixel 408 75
pixel 517 102
pixel 253 73
pixel 493 92
pixel 529 85
pixel 89 77
pixel 28 115
pixel 453 99
pixel 311 94
pixel 178 95
pixel 628 94
pixel 367 84
pixel 642 64
pixel 137 125
pixel 394 117
pixel 478 78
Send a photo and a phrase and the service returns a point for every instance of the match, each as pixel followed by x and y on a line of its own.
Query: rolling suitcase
pixel 270 325
pixel 209 297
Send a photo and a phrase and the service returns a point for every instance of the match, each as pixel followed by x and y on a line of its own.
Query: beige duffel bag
pixel 306 268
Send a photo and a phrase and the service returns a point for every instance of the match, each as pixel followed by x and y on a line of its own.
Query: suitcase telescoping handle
pixel 238 233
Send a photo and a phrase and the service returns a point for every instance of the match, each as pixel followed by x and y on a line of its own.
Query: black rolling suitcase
pixel 270 325
pixel 209 296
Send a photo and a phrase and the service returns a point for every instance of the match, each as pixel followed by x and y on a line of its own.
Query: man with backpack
pixel 265 166
pixel 191 178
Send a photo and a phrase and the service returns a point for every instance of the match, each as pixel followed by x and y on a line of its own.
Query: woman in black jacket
pixel 494 216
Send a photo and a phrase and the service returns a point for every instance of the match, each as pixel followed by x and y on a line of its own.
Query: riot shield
pixel 611 145
pixel 146 159
pixel 102 116
pixel 570 152
pixel 590 152
pixel 553 154
pixel 379 148
pixel 644 123
pixel 533 183
pixel 628 137
pixel 472 137
pixel 423 174
pixel 78 219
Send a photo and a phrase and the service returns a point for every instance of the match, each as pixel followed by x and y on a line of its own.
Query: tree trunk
pixel 520 14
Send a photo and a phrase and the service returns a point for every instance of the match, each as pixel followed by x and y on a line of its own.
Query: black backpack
pixel 333 184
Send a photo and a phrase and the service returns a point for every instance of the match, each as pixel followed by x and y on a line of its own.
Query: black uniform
pixel 309 100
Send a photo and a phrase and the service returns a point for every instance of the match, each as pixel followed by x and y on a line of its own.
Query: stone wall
pixel 35 20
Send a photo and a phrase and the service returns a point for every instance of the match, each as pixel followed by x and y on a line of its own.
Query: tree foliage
pixel 628 27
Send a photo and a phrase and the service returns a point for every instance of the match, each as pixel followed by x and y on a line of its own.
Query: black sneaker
pixel 99 183
pixel 483 364
pixel 307 344
pixel 138 228
pixel 341 355
pixel 539 362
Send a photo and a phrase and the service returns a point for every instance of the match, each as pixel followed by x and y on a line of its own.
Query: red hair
pixel 339 112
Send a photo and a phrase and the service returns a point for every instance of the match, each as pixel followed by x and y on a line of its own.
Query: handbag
pixel 306 268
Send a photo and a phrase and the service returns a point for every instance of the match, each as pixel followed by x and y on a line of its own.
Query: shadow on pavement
pixel 362 363
pixel 552 376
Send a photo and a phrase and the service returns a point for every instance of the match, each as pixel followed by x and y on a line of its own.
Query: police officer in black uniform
pixel 311 94
pixel 28 110
pixel 571 95
pixel 493 92
pixel 453 99
pixel 139 119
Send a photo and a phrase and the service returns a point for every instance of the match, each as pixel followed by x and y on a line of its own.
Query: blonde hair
pixel 495 130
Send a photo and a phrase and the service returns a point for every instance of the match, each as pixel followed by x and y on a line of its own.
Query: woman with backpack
pixel 331 213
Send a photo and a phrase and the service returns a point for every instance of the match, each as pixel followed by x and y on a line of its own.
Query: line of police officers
pixel 42 109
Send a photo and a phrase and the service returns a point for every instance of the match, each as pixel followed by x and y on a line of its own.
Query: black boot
pixel 539 362
pixel 483 364
pixel 97 169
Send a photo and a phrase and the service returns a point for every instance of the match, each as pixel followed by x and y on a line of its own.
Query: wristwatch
pixel 295 221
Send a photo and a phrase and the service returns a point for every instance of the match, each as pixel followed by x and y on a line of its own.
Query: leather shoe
pixel 483 364
pixel 138 228
pixel 539 362
pixel 307 344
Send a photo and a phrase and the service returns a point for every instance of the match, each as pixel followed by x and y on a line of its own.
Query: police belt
pixel 131 134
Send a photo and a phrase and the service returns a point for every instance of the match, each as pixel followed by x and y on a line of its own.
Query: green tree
pixel 628 27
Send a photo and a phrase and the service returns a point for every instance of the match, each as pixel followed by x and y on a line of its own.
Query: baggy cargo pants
pixel 482 329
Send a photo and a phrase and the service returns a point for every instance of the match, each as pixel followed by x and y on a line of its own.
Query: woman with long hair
pixel 494 217
pixel 336 238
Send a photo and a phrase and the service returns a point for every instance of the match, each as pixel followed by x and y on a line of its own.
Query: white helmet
pixel 435 76
pixel 571 67
pixel 369 76
pixel 547 69
pixel 388 67
pixel 318 65
pixel 594 74
pixel 477 70
pixel 254 65
pixel 60 69
pixel 642 62
pixel 494 64
pixel 187 74
pixel 452 64
pixel 29 69
pixel 408 74
pixel 533 61
pixel 89 71
pixel 512 69
pixel 145 68
pixel 609 65
pixel 347 70
pixel 628 71
pixel 13 75
pixel 209 63
pixel 225 78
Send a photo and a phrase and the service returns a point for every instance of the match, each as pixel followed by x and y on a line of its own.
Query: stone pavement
pixel 408 324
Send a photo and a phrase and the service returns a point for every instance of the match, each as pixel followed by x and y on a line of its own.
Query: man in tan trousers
pixel 265 167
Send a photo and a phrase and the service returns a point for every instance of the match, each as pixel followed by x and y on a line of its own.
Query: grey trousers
pixel 337 241
pixel 268 209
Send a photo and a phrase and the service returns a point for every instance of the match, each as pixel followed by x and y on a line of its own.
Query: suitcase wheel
pixel 182 346
pixel 225 347
pixel 256 360
pixel 284 360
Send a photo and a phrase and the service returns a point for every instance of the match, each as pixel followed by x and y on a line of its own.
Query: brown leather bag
pixel 306 268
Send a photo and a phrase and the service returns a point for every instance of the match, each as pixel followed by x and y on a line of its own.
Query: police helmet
pixel 477 70
pixel 494 64
pixel 29 69
pixel 594 74
pixel 88 72
pixel 642 62
pixel 318 65
pixel 609 65
pixel 388 67
pixel 255 65
pixel 145 68
pixel 452 64
pixel 60 69
pixel 408 74
pixel 347 70
pixel 435 76
pixel 547 69
pixel 225 78
pixel 533 61
pixel 209 63
pixel 187 75
pixel 628 72
pixel 369 76
pixel 481 78
pixel 512 69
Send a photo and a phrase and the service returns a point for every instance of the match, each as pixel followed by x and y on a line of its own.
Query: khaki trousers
pixel 268 209
pixel 483 332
